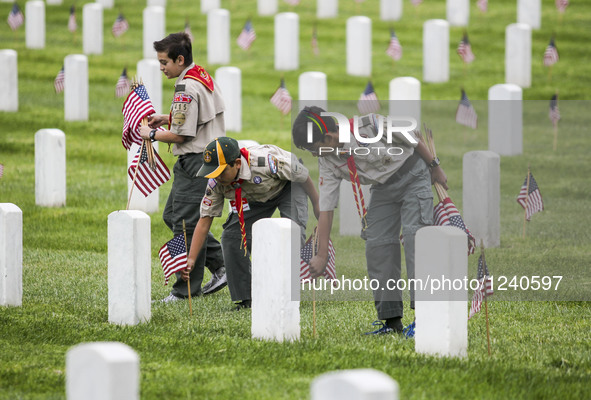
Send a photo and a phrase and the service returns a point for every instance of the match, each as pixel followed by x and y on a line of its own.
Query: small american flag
pixel 561 5
pixel 58 82
pixel 530 200
pixel 465 50
pixel 314 42
pixel 465 114
pixel 15 17
pixel 188 31
pixel 484 288
pixel 122 87
pixel 554 113
pixel 394 49
pixel 306 255
pixel 482 5
pixel 551 54
pixel 281 99
pixel 173 256
pixel 120 26
pixel 368 102
pixel 247 36
pixel 148 180
pixel 72 25
pixel 445 213
pixel 136 107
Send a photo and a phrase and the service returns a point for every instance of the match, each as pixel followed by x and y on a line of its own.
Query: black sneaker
pixel 242 305
pixel 217 282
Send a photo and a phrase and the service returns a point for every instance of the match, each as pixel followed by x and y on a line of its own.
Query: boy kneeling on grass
pixel 258 181
pixel 400 171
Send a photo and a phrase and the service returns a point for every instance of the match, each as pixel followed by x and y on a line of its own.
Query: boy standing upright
pixel 196 117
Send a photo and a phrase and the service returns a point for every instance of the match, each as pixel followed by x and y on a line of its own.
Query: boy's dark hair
pixel 175 45
pixel 320 126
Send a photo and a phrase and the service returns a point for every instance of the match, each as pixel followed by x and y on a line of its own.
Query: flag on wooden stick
pixel 551 54
pixel 465 113
pixel 123 86
pixel 72 25
pixel 58 82
pixel 530 197
pixel 247 36
pixel 120 26
pixel 561 5
pixel 15 17
pixel 554 113
pixel 394 49
pixel 368 101
pixel 484 289
pixel 282 99
pixel 465 50
pixel 173 256
pixel 308 251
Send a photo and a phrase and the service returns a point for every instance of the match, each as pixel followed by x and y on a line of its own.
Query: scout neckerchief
pixel 359 201
pixel 238 199
pixel 200 75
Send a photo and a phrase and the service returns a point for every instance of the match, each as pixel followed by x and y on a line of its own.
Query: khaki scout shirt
pixel 264 175
pixel 374 164
pixel 196 112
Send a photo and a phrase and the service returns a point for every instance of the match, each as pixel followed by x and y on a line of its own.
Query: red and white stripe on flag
pixel 282 100
pixel 148 180
pixel 173 256
pixel 306 255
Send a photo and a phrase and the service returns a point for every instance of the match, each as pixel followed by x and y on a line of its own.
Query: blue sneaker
pixel 409 331
pixel 382 330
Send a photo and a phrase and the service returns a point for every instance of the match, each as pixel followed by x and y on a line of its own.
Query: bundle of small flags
pixel 149 175
pixel 136 107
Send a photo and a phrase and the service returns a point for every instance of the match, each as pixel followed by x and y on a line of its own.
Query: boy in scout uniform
pixel 258 180
pixel 400 173
pixel 196 117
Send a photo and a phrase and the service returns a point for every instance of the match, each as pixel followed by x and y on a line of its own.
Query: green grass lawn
pixel 540 349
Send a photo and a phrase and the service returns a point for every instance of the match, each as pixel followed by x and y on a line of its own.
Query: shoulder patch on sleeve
pixel 179 88
pixel 272 164
pixel 260 161
pixel 182 98
pixel 211 183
